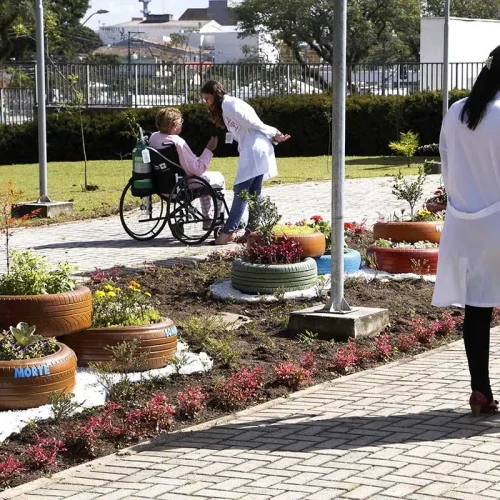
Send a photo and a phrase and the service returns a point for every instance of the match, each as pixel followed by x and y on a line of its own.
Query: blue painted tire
pixel 352 262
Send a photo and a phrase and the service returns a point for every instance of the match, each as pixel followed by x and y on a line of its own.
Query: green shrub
pixel 372 123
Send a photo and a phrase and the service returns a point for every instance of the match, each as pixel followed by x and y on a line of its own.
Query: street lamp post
pixel 446 56
pixel 43 195
pixel 337 302
pixel 100 11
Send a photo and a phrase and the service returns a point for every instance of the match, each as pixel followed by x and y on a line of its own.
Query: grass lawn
pixel 65 178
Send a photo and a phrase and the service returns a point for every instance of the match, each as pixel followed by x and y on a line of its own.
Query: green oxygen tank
pixel 142 171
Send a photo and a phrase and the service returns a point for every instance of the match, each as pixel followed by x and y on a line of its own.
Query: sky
pixel 123 10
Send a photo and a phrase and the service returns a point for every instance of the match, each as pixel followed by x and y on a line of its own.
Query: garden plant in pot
pixel 438 202
pixel 48 298
pixel 271 263
pixel 125 321
pixel 32 368
pixel 310 239
pixel 408 244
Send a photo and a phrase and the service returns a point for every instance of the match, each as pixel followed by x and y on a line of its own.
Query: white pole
pixel 337 302
pixel 42 119
pixel 446 56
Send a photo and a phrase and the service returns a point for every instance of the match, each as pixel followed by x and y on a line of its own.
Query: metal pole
pixel 337 302
pixel 42 119
pixel 446 56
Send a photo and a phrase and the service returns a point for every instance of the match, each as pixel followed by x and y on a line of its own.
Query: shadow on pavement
pixel 342 433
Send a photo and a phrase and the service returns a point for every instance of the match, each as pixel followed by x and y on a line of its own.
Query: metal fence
pixel 146 85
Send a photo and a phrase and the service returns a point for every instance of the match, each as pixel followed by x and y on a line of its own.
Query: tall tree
pixel 473 9
pixel 310 22
pixel 62 24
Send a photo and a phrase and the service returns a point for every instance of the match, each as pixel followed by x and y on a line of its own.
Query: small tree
pixel 263 211
pixel 409 191
pixel 8 196
pixel 406 146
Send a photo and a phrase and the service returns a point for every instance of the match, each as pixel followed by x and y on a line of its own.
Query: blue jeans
pixel 253 185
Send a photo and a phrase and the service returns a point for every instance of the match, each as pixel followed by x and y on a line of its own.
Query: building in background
pixel 211 35
pixel 470 42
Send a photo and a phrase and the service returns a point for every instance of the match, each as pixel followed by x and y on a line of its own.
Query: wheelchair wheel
pixel 146 221
pixel 191 209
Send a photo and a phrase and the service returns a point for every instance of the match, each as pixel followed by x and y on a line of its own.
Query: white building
pixel 213 29
pixel 470 42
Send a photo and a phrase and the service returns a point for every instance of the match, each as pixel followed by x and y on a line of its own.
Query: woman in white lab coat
pixel 469 255
pixel 255 145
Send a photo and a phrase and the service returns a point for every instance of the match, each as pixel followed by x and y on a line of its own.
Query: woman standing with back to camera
pixel 469 253
pixel 255 144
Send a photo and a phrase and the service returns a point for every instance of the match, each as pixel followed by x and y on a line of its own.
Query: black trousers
pixel 477 346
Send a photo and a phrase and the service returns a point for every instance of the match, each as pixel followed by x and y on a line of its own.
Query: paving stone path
pixel 398 431
pixel 103 242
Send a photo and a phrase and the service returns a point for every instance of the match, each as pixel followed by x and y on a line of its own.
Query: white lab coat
pixel 469 252
pixel 254 140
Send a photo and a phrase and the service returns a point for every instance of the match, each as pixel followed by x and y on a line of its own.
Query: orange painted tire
pixel 312 244
pixel 53 314
pixel 158 341
pixel 411 232
pixel 405 260
pixel 28 383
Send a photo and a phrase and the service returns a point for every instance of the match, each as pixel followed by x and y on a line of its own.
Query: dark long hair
pixel 216 89
pixel 483 92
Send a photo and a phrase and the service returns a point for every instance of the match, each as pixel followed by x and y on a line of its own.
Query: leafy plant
pixel 406 146
pixel 10 467
pixel 307 338
pixel 156 416
pixel 292 375
pixel 127 357
pixel 191 401
pixel 240 387
pixel 44 452
pixel 263 212
pixel 425 215
pixel 292 229
pixel 114 307
pixel 201 329
pixel 346 357
pixel 274 251
pixel 31 274
pixel 383 346
pixel 21 343
pixel 407 190
pixel 406 342
pixel 222 350
pixel 62 405
pixel 319 224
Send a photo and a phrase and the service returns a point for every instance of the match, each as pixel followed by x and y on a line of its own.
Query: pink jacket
pixel 188 160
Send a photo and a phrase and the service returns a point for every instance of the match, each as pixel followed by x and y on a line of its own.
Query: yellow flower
pixel 111 294
pixel 99 294
pixel 130 287
pixel 118 289
pixel 134 284
pixel 147 294
pixel 108 288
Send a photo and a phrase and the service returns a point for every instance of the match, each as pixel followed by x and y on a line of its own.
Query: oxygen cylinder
pixel 142 170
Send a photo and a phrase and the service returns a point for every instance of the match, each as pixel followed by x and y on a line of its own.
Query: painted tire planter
pixel 411 232
pixel 402 260
pixel 159 341
pixel 266 279
pixel 352 262
pixel 312 244
pixel 53 314
pixel 28 383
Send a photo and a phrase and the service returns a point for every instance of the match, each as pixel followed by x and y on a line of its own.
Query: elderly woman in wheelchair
pixel 194 197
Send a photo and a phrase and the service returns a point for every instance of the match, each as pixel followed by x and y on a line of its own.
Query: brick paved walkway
pixel 103 242
pixel 398 431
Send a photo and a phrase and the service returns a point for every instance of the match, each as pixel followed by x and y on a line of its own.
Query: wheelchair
pixel 184 202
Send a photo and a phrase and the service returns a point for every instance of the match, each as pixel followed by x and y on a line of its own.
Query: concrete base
pixel 47 210
pixel 361 322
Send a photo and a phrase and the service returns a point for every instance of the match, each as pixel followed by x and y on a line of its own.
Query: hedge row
pixel 372 122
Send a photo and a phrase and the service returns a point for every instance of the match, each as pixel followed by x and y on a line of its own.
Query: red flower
pixel 348 226
pixel 316 218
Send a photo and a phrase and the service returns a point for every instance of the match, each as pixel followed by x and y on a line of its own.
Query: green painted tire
pixel 267 279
